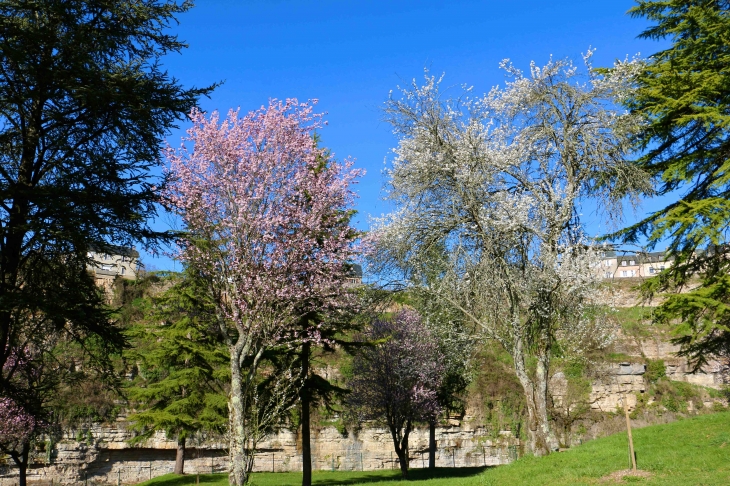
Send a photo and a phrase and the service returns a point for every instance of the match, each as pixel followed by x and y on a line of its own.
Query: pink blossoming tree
pixel 267 221
pixel 398 379
pixel 17 428
pixel 19 425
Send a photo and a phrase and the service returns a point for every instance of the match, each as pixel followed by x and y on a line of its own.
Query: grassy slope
pixel 693 451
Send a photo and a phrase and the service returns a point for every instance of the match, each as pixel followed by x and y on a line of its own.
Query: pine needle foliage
pixel 684 93
pixel 181 362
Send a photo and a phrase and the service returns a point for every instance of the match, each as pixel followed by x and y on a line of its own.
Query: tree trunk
pixel 305 397
pixel 432 444
pixel 539 434
pixel 23 473
pixel 541 405
pixel 238 475
pixel 403 456
pixel 21 460
pixel 401 447
pixel 180 456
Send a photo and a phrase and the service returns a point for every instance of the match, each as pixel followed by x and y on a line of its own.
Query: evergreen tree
pixel 182 366
pixel 684 93
pixel 85 104
pixel 326 332
pixel 323 331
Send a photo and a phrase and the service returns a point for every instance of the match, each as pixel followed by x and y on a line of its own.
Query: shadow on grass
pixel 413 475
pixel 188 479
pixel 322 478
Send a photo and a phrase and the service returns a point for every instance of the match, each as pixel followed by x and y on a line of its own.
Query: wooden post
pixel 628 429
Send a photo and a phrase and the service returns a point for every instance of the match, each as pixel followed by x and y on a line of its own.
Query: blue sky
pixel 350 54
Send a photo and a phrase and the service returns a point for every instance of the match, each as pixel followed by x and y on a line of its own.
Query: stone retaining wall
pixel 108 459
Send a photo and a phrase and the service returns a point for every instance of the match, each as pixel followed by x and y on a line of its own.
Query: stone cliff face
pixel 105 456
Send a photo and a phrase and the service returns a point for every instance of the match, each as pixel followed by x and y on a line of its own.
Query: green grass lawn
pixel 693 451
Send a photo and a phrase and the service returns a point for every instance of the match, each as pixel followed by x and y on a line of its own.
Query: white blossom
pixel 497 181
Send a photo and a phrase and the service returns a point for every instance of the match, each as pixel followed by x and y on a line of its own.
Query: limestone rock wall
pixel 103 456
pixel 615 380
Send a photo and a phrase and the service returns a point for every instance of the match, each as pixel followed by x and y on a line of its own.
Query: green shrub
pixel 672 403
pixel 718 407
pixel 655 370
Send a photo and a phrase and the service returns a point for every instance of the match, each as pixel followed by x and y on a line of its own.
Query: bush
pixel 655 370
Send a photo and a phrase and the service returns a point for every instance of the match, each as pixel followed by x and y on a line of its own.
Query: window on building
pixel 651 269
pixel 623 263
pixel 123 271
pixel 107 267
pixel 624 273
pixel 632 273
pixel 632 262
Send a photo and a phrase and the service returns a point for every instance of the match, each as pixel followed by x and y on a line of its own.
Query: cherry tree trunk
pixel 305 397
pixel 401 448
pixel 239 468
pixel 180 457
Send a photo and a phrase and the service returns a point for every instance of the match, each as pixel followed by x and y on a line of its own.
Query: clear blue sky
pixel 350 54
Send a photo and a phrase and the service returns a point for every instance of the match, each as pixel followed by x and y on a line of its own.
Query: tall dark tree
pixel 324 333
pixel 182 364
pixel 325 328
pixel 684 93
pixel 84 106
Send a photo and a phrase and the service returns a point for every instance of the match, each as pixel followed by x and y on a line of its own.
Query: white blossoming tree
pixel 499 182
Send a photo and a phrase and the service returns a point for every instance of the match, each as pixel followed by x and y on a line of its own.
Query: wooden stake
pixel 628 428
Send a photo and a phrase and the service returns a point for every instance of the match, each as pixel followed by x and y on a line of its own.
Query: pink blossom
pixel 16 425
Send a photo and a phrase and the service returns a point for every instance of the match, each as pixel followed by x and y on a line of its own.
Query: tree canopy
pixel 267 219
pixel 489 191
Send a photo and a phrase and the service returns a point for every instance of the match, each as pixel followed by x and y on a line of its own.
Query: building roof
pixel 117 250
pixel 641 258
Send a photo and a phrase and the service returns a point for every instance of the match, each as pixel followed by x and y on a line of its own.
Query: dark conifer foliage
pixel 181 364
pixel 684 92
pixel 84 106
